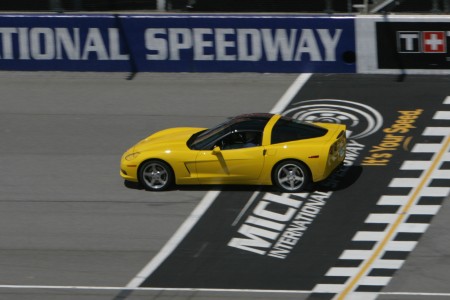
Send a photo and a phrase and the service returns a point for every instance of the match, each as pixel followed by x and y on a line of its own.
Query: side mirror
pixel 216 150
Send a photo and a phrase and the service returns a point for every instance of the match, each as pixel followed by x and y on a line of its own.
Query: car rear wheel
pixel 291 176
pixel 156 175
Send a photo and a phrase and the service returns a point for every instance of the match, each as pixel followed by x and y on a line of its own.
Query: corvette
pixel 253 149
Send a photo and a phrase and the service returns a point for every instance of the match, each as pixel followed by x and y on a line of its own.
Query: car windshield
pixel 206 139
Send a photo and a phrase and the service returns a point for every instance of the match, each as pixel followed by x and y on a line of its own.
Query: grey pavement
pixel 66 218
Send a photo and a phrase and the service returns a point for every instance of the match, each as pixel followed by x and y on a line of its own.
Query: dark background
pixel 306 6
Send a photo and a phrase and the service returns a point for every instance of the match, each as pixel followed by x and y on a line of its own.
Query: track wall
pixel 177 43
pixel 225 43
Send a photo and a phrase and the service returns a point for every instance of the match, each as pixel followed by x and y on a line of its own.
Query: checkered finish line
pixel 413 200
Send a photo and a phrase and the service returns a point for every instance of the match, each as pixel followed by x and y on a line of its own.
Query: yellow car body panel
pixel 232 166
pixel 253 165
pixel 167 145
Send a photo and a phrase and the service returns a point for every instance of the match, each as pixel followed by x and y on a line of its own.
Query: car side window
pixel 239 140
pixel 287 131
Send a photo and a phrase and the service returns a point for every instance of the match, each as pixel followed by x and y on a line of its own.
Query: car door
pixel 233 160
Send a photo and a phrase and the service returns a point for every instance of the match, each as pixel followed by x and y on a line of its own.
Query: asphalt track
pixel 70 229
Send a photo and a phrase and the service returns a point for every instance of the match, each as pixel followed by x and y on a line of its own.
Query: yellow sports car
pixel 256 149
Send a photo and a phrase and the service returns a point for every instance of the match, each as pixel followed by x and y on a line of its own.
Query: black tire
pixel 291 176
pixel 156 175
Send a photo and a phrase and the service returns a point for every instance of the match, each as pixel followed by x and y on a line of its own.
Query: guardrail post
pixel 55 5
pixel 77 5
pixel 446 5
pixel 362 8
pixel 161 5
pixel 329 6
pixel 435 6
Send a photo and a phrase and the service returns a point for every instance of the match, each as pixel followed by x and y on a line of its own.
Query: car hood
pixel 167 138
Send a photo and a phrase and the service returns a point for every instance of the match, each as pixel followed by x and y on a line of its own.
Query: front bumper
pixel 128 169
pixel 124 175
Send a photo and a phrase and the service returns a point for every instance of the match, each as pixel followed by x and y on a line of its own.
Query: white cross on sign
pixel 434 41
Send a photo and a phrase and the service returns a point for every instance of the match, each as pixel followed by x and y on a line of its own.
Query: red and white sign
pixel 434 42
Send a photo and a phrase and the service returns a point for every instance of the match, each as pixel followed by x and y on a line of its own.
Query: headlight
pixel 132 156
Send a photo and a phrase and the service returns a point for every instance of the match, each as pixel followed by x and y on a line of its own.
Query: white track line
pixel 114 288
pixel 249 203
pixel 175 240
pixel 206 202
pixel 290 93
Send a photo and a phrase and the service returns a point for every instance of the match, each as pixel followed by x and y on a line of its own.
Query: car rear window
pixel 287 130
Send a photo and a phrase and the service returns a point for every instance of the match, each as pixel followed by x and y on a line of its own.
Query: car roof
pixel 254 121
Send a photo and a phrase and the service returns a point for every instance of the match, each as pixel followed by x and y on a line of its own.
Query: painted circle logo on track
pixel 361 120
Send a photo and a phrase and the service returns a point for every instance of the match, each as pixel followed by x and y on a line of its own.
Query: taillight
pixel 333 148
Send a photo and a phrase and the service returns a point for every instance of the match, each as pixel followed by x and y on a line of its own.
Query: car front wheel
pixel 156 175
pixel 291 176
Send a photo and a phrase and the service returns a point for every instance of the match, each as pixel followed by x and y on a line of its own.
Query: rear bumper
pixel 336 156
